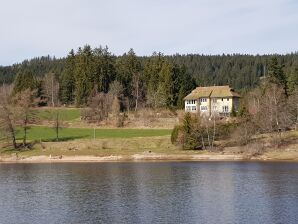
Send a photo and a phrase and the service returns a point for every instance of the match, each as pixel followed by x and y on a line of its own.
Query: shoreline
pixel 145 149
pixel 145 158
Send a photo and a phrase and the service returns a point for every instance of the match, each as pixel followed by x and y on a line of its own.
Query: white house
pixel 212 100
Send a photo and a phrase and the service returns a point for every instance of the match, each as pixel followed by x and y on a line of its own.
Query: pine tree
pixel 187 124
pixel 84 75
pixel 293 81
pixel 105 72
pixel 166 84
pixel 128 69
pixel 67 86
pixel 152 69
pixel 277 75
pixel 184 84
pixel 24 80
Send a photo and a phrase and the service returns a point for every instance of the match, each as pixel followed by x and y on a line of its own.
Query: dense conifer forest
pixel 159 80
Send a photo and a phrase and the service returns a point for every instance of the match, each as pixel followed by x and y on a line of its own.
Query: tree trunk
pixel 53 103
pixel 207 129
pixel 213 137
pixel 12 133
pixel 203 144
pixel 57 127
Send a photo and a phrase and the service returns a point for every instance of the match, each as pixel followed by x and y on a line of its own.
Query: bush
pixel 224 130
pixel 187 135
pixel 175 133
pixel 120 119
pixel 200 133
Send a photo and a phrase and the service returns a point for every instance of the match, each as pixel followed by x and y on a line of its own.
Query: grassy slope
pixel 48 133
pixel 104 147
pixel 73 114
pixel 65 114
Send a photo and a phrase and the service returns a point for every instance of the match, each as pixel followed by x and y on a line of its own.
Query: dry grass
pixel 143 118
pixel 105 147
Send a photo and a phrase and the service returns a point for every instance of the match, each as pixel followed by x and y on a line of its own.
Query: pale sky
pixel 36 27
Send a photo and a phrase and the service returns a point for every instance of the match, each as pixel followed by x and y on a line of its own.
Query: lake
pixel 151 192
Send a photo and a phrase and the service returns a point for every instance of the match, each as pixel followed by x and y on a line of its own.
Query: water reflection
pixel 188 192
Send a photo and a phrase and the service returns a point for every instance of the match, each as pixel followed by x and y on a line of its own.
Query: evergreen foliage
pixel 24 80
pixel 293 81
pixel 277 75
pixel 156 81
pixel 67 80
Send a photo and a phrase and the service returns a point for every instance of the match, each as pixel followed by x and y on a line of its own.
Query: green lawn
pixel 48 134
pixel 65 114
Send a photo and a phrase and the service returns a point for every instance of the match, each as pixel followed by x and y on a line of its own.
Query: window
pixel 203 100
pixel 214 100
pixel 204 108
pixel 190 102
pixel 222 99
pixel 225 109
pixel 188 108
pixel 194 108
pixel 228 99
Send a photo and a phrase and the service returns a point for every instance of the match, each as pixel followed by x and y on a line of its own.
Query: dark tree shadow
pixel 64 139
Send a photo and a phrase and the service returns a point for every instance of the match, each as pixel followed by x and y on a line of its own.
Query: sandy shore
pixel 135 157
pixel 146 157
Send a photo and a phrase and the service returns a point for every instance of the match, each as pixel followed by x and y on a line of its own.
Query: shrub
pixel 175 133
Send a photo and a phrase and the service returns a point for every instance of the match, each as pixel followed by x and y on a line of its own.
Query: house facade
pixel 212 100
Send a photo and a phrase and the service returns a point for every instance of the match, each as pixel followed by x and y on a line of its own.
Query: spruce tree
pixel 105 73
pixel 277 75
pixel 67 86
pixel 293 81
pixel 84 75
pixel 24 80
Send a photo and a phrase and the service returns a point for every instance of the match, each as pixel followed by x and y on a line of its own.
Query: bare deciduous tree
pixel 116 89
pixel 99 107
pixel 137 89
pixel 51 87
pixel 57 125
pixel 270 110
pixel 293 104
pixel 273 114
pixel 24 102
pixel 7 116
pixel 157 98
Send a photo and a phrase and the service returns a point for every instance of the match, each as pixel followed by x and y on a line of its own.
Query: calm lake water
pixel 169 192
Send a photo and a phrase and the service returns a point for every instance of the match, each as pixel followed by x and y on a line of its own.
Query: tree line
pixel 158 80
pixel 155 82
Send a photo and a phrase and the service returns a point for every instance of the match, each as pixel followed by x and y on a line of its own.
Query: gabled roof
pixel 211 91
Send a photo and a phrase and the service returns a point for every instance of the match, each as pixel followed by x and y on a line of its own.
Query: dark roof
pixel 211 91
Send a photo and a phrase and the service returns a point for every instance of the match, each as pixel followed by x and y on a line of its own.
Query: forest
pixel 138 81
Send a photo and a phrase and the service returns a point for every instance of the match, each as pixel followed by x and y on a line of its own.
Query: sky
pixel 34 28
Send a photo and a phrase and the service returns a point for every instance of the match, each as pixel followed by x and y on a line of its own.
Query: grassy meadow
pixel 37 133
pixel 87 140
pixel 65 114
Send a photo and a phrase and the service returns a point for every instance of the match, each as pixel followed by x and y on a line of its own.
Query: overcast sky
pixel 37 27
